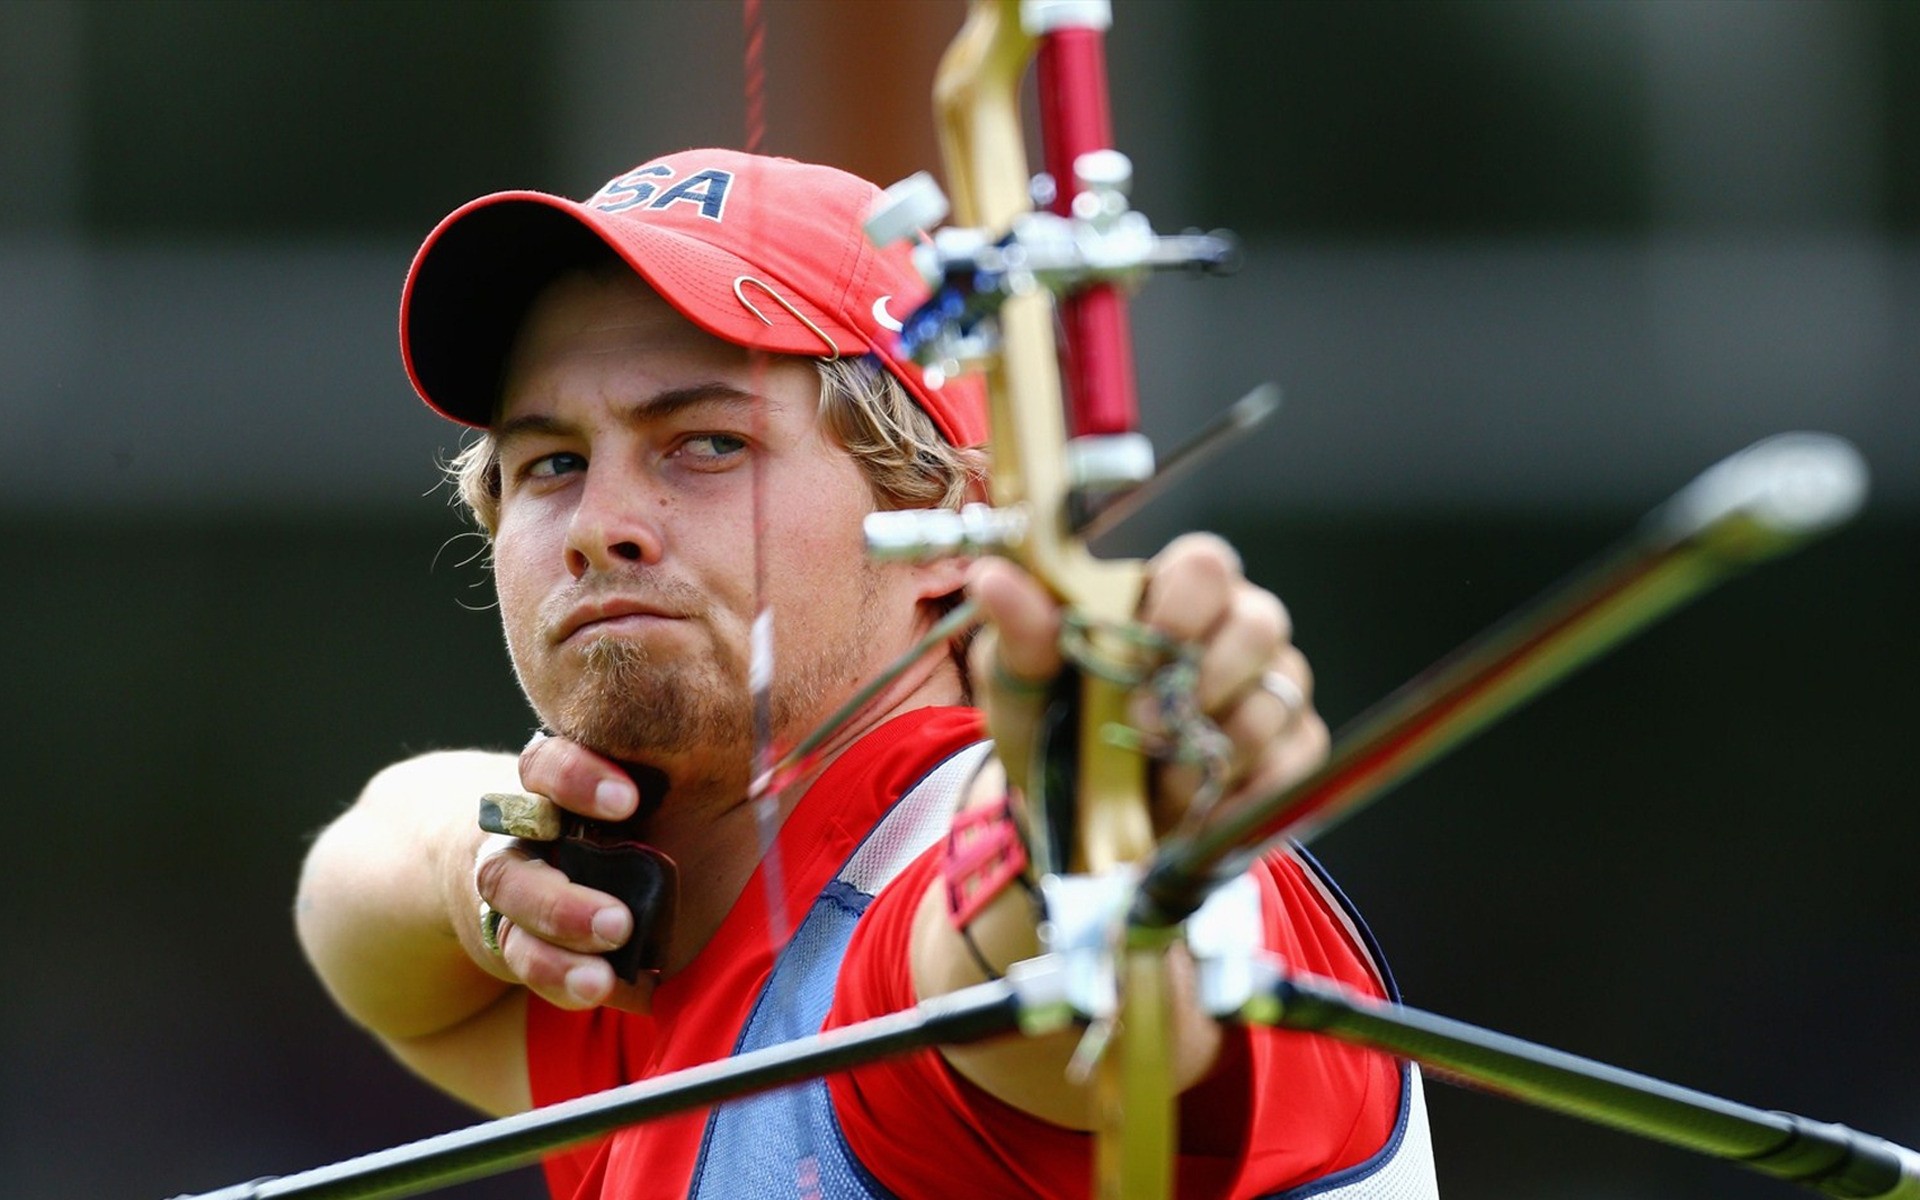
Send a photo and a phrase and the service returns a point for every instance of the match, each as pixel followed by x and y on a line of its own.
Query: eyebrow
pixel 658 406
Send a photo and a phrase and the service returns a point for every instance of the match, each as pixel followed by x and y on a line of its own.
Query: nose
pixel 609 528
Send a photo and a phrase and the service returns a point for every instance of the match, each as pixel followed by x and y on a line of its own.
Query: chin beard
pixel 631 705
pixel 636 706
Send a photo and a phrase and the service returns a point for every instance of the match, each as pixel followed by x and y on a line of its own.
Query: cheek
pixel 824 551
pixel 515 582
pixel 832 514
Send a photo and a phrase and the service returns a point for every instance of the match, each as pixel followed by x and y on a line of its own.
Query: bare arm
pixel 387 914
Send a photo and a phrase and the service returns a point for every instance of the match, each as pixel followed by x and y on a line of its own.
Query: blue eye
pixel 548 466
pixel 714 445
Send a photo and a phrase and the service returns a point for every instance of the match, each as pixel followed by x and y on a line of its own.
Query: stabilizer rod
pixel 1761 502
pixel 1831 1159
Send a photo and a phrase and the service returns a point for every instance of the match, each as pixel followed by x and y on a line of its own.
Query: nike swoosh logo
pixel 884 317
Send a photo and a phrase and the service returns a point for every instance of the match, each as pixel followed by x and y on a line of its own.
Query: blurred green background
pixel 1522 268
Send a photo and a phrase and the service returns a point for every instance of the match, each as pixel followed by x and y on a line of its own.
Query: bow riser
pixel 977 100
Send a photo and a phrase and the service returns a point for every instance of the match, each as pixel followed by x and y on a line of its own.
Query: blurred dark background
pixel 1523 269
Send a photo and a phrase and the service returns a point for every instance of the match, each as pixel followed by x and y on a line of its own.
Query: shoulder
pixel 441 772
pixel 1311 923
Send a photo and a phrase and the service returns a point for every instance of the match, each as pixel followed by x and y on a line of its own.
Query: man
pixel 631 438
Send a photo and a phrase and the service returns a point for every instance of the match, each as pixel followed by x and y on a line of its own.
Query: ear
pixel 946 576
pixel 941 578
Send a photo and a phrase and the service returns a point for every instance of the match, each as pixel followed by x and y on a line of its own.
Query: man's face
pixel 624 555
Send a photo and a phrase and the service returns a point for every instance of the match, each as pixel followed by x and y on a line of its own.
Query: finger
pixel 1286 761
pixel 1259 717
pixel 1285 687
pixel 542 902
pixel 1257 724
pixel 1025 623
pixel 1251 639
pixel 577 779
pixel 561 977
pixel 1014 659
pixel 1289 682
pixel 1267 714
pixel 1190 586
pixel 1281 762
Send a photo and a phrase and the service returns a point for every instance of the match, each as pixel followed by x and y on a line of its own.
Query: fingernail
pixel 587 982
pixel 616 798
pixel 612 924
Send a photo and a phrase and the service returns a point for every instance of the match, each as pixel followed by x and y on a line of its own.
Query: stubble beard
pixel 637 703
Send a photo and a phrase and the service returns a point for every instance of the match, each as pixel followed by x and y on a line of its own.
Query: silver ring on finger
pixel 1282 688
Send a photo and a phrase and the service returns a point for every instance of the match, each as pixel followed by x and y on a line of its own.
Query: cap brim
pixel 479 271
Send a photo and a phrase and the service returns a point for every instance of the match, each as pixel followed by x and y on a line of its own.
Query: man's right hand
pixel 552 931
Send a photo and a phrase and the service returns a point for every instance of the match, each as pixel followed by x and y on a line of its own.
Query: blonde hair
pixel 863 408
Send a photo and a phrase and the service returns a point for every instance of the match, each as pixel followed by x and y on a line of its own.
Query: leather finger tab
pixel 521 815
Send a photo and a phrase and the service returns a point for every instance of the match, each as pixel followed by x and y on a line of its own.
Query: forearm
pixel 386 907
pixel 1030 1073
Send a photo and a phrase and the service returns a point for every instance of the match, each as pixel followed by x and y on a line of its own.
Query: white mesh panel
pixel 920 818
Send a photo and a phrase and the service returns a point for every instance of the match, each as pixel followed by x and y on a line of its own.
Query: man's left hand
pixel 1252 682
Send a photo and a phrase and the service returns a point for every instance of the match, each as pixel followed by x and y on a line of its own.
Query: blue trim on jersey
pixel 1385 1154
pixel 1353 914
pixel 1372 1164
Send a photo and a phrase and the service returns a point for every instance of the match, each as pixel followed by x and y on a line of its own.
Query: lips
pixel 586 617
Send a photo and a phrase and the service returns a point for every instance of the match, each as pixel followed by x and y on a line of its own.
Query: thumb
pixel 1014 659
pixel 1026 618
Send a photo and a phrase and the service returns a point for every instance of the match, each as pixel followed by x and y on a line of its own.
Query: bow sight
pixel 972 272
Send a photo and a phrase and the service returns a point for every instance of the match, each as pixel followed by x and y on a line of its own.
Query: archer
pixel 685 419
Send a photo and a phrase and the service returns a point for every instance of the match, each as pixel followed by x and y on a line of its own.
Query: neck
pixel 710 827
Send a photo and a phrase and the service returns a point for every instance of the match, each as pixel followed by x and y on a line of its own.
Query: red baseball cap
pixel 763 252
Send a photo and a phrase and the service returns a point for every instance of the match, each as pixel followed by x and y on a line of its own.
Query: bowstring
pixel 768 785
pixel 763 791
